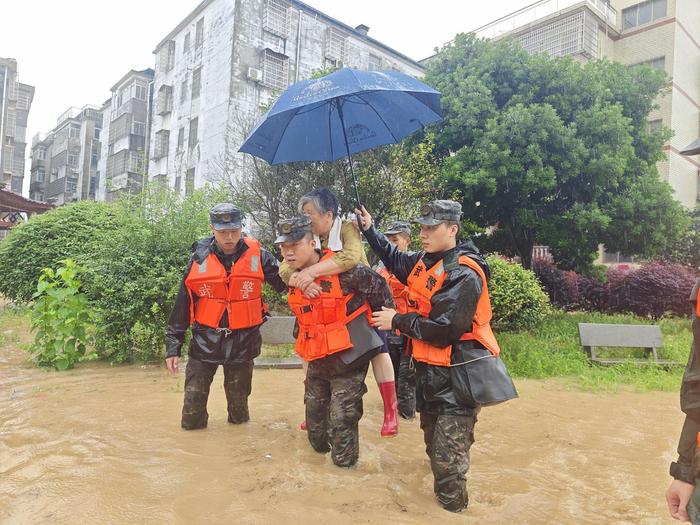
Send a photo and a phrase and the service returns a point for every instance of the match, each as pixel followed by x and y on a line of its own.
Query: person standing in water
pixel 342 238
pixel 686 469
pixel 456 353
pixel 334 336
pixel 220 297
pixel 399 234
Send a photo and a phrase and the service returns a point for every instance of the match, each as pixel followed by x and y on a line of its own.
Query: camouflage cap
pixel 435 212
pixel 398 227
pixel 225 216
pixel 293 229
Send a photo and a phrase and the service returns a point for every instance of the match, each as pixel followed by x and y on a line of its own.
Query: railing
pixel 539 10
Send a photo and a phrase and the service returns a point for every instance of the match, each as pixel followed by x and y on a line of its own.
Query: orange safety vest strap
pixel 697 305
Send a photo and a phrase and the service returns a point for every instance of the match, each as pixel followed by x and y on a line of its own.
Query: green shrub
pixel 517 299
pixel 61 317
pixel 69 231
pixel 134 277
pixel 133 251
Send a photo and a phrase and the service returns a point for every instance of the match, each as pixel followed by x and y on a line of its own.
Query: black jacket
pixel 209 344
pixel 442 390
pixel 690 402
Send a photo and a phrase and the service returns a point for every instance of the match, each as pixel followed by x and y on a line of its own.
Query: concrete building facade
pixel 225 62
pixel 664 34
pixel 15 103
pixel 64 162
pixel 124 136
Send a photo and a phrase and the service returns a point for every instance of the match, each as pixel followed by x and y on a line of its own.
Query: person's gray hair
pixel 323 199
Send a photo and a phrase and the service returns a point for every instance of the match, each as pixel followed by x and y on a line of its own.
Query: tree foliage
pixel 553 151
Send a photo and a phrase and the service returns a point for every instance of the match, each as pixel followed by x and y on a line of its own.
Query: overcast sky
pixel 73 51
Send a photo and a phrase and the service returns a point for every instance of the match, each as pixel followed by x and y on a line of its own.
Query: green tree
pixel 551 151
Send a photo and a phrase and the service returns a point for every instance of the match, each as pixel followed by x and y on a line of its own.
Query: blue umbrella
pixel 341 114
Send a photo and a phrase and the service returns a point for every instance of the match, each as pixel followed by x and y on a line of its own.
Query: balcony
pixel 541 10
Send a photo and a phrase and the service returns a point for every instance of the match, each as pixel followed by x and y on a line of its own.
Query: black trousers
pixel 198 377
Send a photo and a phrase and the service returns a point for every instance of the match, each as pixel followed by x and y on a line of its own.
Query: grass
pixel 277 351
pixel 553 350
pixel 14 324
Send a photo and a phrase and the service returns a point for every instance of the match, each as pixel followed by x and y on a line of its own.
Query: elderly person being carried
pixel 343 238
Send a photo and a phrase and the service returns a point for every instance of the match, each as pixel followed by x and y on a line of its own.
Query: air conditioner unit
pixel 254 74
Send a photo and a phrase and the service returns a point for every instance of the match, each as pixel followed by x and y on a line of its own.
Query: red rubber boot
pixel 391 422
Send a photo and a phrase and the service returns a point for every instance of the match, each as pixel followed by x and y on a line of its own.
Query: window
pixel 138 128
pixel 189 182
pixel 71 185
pixel 162 144
pixel 335 44
pixel 196 82
pixel 93 160
pixel 183 92
pixel 41 154
pixel 40 175
pixel 276 17
pixel 186 44
pixel 375 63
pixel 134 162
pixel 96 134
pixel 655 126
pixel 73 132
pixel 73 160
pixel 140 91
pixel 199 34
pixel 643 13
pixel 180 138
pixel 275 70
pixel 164 104
pixel 166 56
pixel 178 183
pixel 192 140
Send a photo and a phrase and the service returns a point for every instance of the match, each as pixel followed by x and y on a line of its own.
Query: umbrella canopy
pixel 341 114
pixel 692 149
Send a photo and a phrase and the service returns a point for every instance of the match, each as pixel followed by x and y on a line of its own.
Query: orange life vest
pixel 239 292
pixel 398 290
pixel 323 321
pixel 422 284
pixel 697 305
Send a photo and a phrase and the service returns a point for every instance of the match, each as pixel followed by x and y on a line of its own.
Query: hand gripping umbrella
pixel 341 114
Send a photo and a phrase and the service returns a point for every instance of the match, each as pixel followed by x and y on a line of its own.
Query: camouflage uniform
pixel 335 384
pixel 446 396
pixel 198 378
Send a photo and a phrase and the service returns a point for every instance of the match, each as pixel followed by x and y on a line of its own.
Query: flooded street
pixel 102 444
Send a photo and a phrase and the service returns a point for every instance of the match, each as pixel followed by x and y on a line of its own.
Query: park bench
pixel 278 330
pixel 648 337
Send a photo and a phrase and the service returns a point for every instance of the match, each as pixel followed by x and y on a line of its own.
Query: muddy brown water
pixel 102 445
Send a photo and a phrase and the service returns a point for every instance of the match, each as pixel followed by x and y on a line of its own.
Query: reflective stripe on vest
pixel 323 320
pixel 239 293
pixel 422 285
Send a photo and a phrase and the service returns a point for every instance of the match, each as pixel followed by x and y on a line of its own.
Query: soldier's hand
pixel 312 291
pixel 382 320
pixel 365 217
pixel 171 363
pixel 677 496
